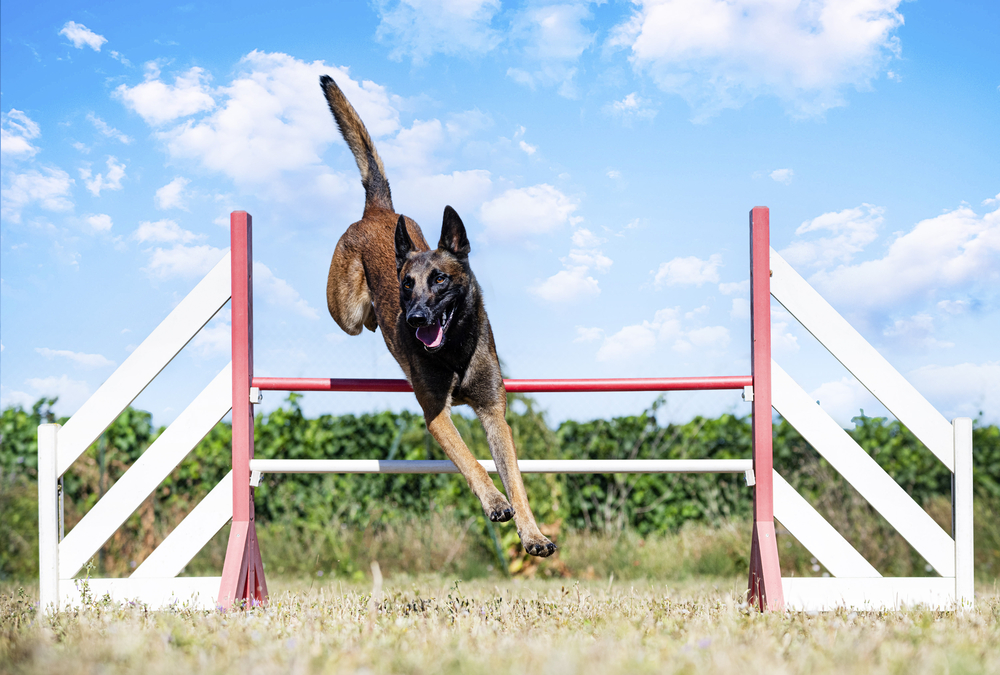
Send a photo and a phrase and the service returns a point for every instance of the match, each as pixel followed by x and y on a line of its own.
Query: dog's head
pixel 433 285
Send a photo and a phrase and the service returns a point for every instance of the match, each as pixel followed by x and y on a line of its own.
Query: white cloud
pixel 271 127
pixel 720 53
pixel 740 309
pixel 955 252
pixel 530 149
pixel 917 331
pixel 641 340
pixel 715 337
pixel 412 150
pixel 183 262
pixel 79 358
pixel 279 292
pixel 961 390
pixel 424 195
pixel 164 231
pixel 521 212
pixel 569 285
pixel 574 283
pixel 118 57
pixel 584 238
pixel 735 288
pixel 101 222
pixel 112 180
pixel 782 175
pixel 72 393
pixel 49 188
pixel 954 306
pixel 630 342
pixel 584 334
pixel 844 399
pixel 551 38
pixel 688 271
pixel 782 339
pixel 171 195
pixel 158 103
pixel 632 107
pixel 80 35
pixel 17 130
pixel 420 28
pixel 215 338
pixel 590 258
pixel 10 398
pixel 107 130
pixel 852 230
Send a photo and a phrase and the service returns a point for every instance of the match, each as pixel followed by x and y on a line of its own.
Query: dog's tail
pixel 356 135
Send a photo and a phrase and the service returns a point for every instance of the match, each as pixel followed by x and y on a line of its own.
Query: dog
pixel 431 312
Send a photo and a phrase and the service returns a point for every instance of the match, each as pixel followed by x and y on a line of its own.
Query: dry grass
pixel 434 625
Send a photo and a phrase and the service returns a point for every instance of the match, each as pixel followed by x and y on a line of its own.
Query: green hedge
pixel 645 503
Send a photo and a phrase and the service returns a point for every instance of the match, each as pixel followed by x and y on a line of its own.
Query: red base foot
pixel 243 571
pixel 765 574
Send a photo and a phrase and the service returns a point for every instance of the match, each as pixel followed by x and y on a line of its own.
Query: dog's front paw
pixel 499 509
pixel 538 545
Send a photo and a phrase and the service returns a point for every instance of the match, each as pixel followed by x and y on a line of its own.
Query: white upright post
pixel 963 515
pixel 48 518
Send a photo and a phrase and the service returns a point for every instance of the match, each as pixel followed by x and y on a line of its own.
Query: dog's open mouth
pixel 433 336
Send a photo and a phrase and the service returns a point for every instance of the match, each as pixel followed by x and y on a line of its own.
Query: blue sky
pixel 604 157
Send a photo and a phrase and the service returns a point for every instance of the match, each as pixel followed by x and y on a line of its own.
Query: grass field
pixel 434 624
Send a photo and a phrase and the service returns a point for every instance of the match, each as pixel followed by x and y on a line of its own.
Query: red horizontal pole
pixel 514 386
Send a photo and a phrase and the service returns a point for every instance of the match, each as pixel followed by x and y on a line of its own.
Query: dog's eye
pixel 440 279
pixel 408 284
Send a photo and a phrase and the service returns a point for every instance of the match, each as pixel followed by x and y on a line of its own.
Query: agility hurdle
pixel 854 582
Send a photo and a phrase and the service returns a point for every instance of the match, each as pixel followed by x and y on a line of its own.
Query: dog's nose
pixel 417 318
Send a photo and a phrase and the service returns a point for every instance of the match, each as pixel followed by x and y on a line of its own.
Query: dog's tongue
pixel 431 335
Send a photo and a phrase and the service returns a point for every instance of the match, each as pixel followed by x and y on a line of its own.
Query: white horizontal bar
pixel 525 465
pixel 158 593
pixel 816 534
pixel 865 363
pixel 862 472
pixel 199 526
pixel 146 473
pixel 143 364
pixel 818 593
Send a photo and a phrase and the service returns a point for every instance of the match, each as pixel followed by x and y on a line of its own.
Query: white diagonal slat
pixel 143 364
pixel 862 472
pixel 816 534
pixel 159 459
pixel 191 534
pixel 865 363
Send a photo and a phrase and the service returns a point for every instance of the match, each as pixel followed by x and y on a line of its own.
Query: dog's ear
pixel 453 237
pixel 403 244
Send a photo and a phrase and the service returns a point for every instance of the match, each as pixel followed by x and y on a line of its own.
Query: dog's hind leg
pixel 347 294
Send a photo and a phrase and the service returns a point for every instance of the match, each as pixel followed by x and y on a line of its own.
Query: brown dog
pixel 430 309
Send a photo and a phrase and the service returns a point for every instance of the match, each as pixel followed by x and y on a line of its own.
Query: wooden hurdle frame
pixel 854 583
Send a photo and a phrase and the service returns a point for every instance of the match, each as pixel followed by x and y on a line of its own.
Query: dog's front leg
pixel 495 505
pixel 504 453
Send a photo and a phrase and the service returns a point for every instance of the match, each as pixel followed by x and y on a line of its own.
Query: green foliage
pixel 654 502
pixel 329 518
pixel 18 489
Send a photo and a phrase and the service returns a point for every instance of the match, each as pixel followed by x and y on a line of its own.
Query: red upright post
pixel 243 571
pixel 765 574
